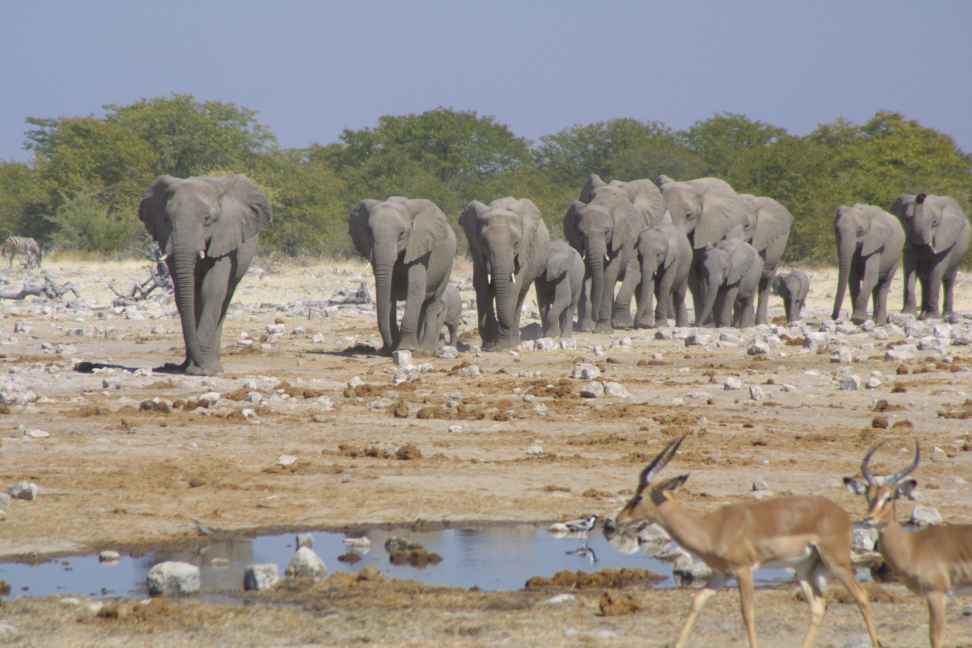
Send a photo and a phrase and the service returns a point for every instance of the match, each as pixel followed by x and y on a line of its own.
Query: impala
pixel 811 535
pixel 933 562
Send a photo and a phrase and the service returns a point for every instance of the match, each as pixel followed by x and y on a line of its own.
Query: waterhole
pixel 500 557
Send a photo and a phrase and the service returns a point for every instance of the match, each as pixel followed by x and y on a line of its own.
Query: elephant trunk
pixel 383 264
pixel 710 290
pixel 506 292
pixel 596 252
pixel 184 283
pixel 846 244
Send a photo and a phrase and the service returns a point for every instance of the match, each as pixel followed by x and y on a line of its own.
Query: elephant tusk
pixel 607 258
pixel 202 254
pixel 164 257
pixel 512 278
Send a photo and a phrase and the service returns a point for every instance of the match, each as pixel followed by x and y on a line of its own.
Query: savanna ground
pixel 116 476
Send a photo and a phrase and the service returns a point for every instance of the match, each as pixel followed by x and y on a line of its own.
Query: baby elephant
pixel 793 288
pixel 730 279
pixel 559 289
pixel 453 316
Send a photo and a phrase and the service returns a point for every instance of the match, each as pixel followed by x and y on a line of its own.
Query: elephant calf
pixel 665 255
pixel 793 287
pixel 730 279
pixel 559 289
pixel 207 229
pixel 453 313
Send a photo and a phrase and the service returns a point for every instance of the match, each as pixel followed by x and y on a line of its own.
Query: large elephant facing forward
pixel 869 244
pixel 665 255
pixel 508 243
pixel 207 229
pixel 411 247
pixel 938 236
pixel 605 231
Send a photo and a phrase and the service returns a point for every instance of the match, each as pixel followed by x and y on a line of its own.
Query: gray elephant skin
pixel 207 229
pixel 604 228
pixel 665 256
pixel 508 244
pixel 708 209
pixel 559 289
pixel 453 313
pixel 937 240
pixel 793 288
pixel 411 248
pixel 869 247
pixel 731 276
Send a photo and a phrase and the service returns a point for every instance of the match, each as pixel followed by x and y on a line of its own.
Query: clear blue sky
pixel 311 69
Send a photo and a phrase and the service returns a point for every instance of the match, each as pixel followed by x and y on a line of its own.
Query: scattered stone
pixel 408 452
pixel 546 344
pixel 900 353
pixel 923 516
pixel 455 429
pixel 688 569
pixel 355 382
pixel 470 371
pixel 286 460
pixel 210 398
pixel 405 375
pixel 850 383
pixel 527 345
pixel 756 393
pixel 568 344
pixel 260 577
pixel 109 556
pixel 873 382
pixel 306 564
pixel 536 450
pixel 615 390
pixel 24 490
pixel 560 599
pixel 864 539
pixel 402 358
pixel 758 348
pixel 592 389
pixel 37 434
pixel 598 351
pixel 760 485
pixel 584 371
pixel 447 353
pixel 696 339
pixel 842 355
pixel 173 579
pixel 305 540
pixel 880 423
pixel 732 383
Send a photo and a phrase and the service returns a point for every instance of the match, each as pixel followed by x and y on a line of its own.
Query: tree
pixel 720 139
pixel 22 200
pixel 192 137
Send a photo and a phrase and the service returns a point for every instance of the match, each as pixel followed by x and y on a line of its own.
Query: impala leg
pixel 698 602
pixel 845 575
pixel 817 608
pixel 936 618
pixel 745 579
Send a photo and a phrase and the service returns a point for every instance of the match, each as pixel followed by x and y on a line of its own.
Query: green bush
pixel 83 223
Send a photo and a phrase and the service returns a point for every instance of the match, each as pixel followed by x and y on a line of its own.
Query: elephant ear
pixel 902 206
pixel 590 186
pixel 429 226
pixel 242 211
pixel 572 226
pixel 741 259
pixel 773 222
pixel 720 212
pixel 534 236
pixel 671 252
pixel 873 240
pixel 359 227
pixel 804 284
pixel 470 220
pixel 558 263
pixel 151 211
pixel 951 223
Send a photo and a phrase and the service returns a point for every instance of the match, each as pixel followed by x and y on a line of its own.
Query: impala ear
pixel 856 486
pixel 674 483
pixel 906 489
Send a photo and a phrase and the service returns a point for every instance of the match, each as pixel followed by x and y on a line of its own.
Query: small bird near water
pixel 584 525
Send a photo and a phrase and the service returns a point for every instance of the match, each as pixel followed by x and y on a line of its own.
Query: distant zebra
pixel 24 246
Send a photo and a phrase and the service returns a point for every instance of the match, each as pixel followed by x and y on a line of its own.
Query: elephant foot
pixel 859 319
pixel 195 370
pixel 623 325
pixel 172 368
pixel 408 344
pixel 909 309
pixel 603 327
pixel 646 323
pixel 585 326
pixel 929 315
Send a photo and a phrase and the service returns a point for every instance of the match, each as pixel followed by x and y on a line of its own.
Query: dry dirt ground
pixel 114 474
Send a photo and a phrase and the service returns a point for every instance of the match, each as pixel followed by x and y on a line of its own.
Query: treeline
pixel 82 188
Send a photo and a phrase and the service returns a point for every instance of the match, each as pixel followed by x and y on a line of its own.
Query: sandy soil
pixel 114 474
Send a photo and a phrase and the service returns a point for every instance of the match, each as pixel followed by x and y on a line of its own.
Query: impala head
pixel 648 497
pixel 881 492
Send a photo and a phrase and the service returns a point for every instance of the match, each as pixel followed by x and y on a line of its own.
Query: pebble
pixel 592 389
pixel 568 344
pixel 560 599
pixel 472 371
pixel 758 348
pixel 447 353
pixel 305 540
pixel 109 555
pixel 402 358
pixel 923 516
pixel 598 351
pixel 585 371
pixel 900 353
pixel 24 490
pixel 38 434
pixel 536 450
pixel 173 578
pixel 286 460
pixel 615 390
pixel 760 485
pixel 306 564
pixel 455 429
pixel 260 577
pixel 850 383
pixel 697 339
pixel 732 383
pixel 406 375
pixel 355 382
pixel 756 393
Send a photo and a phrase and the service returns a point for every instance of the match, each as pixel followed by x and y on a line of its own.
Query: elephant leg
pixel 930 291
pixel 678 305
pixel 725 306
pixel 865 286
pixel 908 304
pixel 663 292
pixel 604 310
pixel 762 309
pixel 585 315
pixel 414 302
pixel 212 298
pixel 948 287
pixel 621 316
pixel 560 310
pixel 695 287
pixel 881 298
pixel 645 313
pixel 486 316
pixel 431 320
pixel 747 312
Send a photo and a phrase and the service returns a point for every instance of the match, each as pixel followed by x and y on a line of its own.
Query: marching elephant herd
pixel 653 241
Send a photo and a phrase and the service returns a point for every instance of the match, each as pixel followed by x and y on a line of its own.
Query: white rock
pixel 306 564
pixel 864 539
pixel 732 383
pixel 568 344
pixel 756 393
pixel 593 389
pixel 536 450
pixel 447 353
pixel 455 429
pixel 843 355
pixel 355 382
pixel 598 351
pixel 546 344
pixel 923 516
pixel 560 599
pixel 109 555
pixel 615 390
pixel 873 382
pixel 38 434
pixel 402 358
pixel 173 578
pixel 276 329
pixel 406 375
pixel 210 397
pixel 850 383
pixel 900 353
pixel 698 339
pixel 690 568
pixel 584 371
pixel 260 577
pixel 470 371
pixel 758 348
pixel 24 490
pixel 286 460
